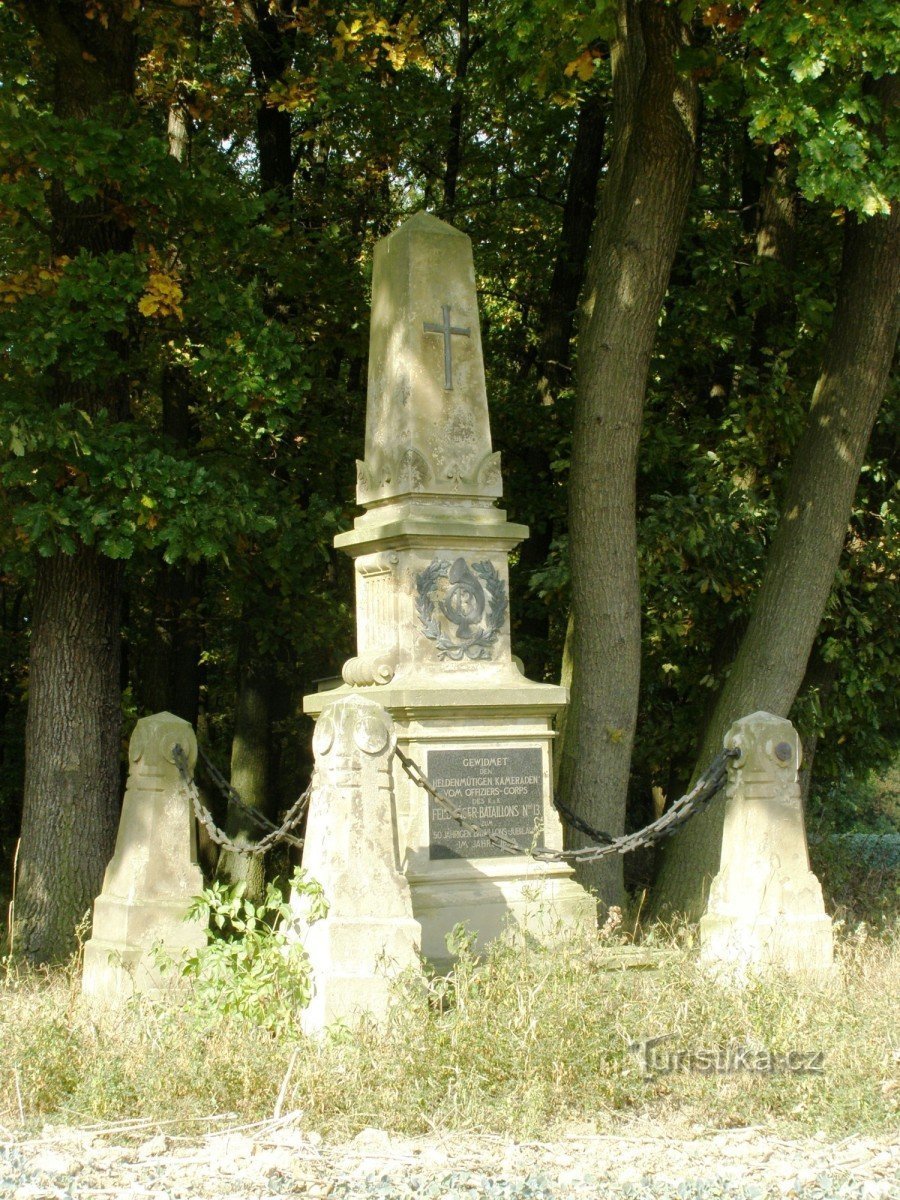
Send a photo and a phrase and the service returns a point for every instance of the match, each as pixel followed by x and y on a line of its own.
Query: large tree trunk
pixel 641 216
pixel 772 658
pixel 72 750
pixel 71 793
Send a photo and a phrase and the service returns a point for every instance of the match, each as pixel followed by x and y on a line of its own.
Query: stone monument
pixel 153 874
pixel 433 637
pixel 369 935
pixel 765 905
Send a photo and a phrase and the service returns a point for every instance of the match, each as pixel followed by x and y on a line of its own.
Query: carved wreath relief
pixel 461 608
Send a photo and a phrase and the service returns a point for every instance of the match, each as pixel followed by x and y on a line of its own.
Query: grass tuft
pixel 519 1044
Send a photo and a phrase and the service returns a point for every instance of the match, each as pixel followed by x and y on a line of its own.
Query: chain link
pixel 707 786
pixel 278 833
pixel 233 796
pixel 678 814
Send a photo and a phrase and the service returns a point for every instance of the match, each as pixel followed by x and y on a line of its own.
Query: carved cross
pixel 447 330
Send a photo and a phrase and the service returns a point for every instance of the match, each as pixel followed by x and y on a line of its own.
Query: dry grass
pixel 518 1044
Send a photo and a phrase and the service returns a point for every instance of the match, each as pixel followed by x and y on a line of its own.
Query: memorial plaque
pixel 501 790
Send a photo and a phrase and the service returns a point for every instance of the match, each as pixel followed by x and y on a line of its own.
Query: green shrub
pixel 251 967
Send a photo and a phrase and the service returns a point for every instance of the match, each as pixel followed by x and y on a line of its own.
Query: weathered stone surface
pixel 153 874
pixel 432 595
pixel 765 905
pixel 427 426
pixel 369 934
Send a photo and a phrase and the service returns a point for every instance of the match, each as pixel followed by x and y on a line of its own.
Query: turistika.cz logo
pixel 724 1060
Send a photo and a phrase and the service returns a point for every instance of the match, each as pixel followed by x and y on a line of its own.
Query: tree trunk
pixel 641 216
pixel 455 141
pixel 72 750
pixel 250 756
pixel 551 363
pixel 71 792
pixel 558 312
pixel 800 570
pixel 166 671
pixel 270 48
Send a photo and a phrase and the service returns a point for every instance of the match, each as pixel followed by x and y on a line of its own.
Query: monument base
pixel 540 899
pixel 735 946
pixel 486 745
pixel 119 959
pixel 356 962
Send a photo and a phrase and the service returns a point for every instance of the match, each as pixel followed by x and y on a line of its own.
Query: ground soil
pixel 142 1161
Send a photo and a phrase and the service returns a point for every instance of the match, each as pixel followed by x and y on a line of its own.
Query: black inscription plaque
pixel 501 790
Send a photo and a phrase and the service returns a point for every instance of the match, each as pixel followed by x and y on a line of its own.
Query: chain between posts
pixel 706 787
pixel 276 834
pixel 678 814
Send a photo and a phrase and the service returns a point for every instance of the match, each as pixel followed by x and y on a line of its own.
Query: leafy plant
pixel 253 967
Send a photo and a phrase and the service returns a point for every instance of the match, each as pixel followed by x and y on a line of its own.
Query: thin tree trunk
pixel 455 141
pixel 558 313
pixel 250 758
pixel 166 674
pixel 270 48
pixel 800 570
pixel 551 364
pixel 641 216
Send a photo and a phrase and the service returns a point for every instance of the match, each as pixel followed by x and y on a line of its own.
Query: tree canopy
pixel 190 191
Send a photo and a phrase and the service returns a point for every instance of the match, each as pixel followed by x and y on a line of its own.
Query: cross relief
pixel 448 330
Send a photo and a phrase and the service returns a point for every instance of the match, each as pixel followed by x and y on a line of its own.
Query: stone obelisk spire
pixel 427 430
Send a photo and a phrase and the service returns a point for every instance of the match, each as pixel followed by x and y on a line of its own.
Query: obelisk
pixel 432 607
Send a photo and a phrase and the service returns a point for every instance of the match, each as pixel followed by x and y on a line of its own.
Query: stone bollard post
pixel 153 874
pixel 351 849
pixel 765 905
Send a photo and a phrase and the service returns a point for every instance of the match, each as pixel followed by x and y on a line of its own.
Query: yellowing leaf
pixel 162 297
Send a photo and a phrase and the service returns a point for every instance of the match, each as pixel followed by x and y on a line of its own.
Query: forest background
pixel 190 192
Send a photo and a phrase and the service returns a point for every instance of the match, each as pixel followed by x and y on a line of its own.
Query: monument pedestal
pixel 369 934
pixel 153 874
pixel 487 746
pixel 765 905
pixel 433 636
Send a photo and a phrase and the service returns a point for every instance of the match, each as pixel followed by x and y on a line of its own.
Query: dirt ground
pixel 141 1161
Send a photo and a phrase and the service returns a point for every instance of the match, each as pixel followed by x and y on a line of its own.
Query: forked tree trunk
pixel 773 654
pixel 641 216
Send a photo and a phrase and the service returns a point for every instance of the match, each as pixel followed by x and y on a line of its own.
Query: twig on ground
pixel 282 1091
pixel 17 1077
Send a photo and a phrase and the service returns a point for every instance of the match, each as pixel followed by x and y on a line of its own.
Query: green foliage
pixel 810 70
pixel 244 307
pixel 251 968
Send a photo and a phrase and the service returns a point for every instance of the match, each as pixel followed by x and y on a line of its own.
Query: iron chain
pixel 707 786
pixel 276 834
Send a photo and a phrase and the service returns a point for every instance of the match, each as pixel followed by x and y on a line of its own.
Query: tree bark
pixel 551 364
pixel 169 672
pixel 72 750
pixel 71 791
pixel 270 48
pixel 250 759
pixel 455 140
pixel 640 220
pixel 561 303
pixel 805 552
